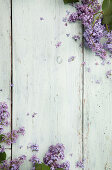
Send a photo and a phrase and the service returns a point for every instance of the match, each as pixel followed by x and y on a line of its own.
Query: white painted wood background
pixel 72 109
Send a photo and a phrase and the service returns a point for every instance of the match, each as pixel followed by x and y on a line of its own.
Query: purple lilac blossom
pixel 67 35
pixel 58 44
pixel 109 73
pixel 2 149
pixel 88 13
pixel 4 114
pixel 11 137
pixel 34 114
pixel 33 147
pixel 54 155
pixel 71 58
pixel 41 18
pixel 97 82
pixel 76 37
pixel 35 160
pixel 80 164
pixel 13 164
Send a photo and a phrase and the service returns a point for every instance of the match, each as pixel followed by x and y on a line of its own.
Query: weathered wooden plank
pixel 97 114
pixel 5 58
pixel 44 81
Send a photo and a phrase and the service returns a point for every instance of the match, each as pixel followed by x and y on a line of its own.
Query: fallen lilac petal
pixel 83 63
pixel 108 73
pixel 41 18
pixel 34 114
pixel 97 82
pixel 76 37
pixel 71 58
pixel 58 44
pixel 67 35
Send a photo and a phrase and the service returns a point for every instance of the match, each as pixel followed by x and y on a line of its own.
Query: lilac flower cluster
pixel 4 114
pixel 54 155
pixel 13 164
pixel 34 160
pixel 11 137
pixel 8 138
pixel 34 147
pixel 80 164
pixel 88 12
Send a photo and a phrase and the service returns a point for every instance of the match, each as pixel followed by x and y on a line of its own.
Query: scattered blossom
pixel 34 114
pixel 58 44
pixel 76 37
pixel 71 58
pixel 41 18
pixel 33 147
pixel 80 164
pixel 109 73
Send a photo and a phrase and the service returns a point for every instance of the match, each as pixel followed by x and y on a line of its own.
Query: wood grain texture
pixel 44 81
pixel 5 58
pixel 97 114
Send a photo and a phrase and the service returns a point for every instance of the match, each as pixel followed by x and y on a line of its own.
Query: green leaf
pixel 41 167
pixel 1 137
pixel 107 12
pixel 2 156
pixel 70 1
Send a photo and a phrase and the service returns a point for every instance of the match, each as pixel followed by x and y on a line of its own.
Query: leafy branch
pixel 44 167
pixel 107 11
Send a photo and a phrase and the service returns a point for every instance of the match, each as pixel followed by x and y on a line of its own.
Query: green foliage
pixel 1 137
pixel 41 167
pixel 2 156
pixel 70 1
pixel 44 167
pixel 107 12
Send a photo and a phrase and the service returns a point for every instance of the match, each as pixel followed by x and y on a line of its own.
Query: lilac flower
pixel 13 164
pixel 89 70
pixel 54 155
pixel 64 19
pixel 12 85
pixel 97 82
pixel 76 37
pixel 41 18
pixel 108 73
pixel 83 63
pixel 11 137
pixel 2 149
pixel 88 13
pixel 34 114
pixel 108 62
pixel 21 131
pixel 58 44
pixel 67 35
pixel 1 129
pixel 33 147
pixel 65 165
pixel 80 164
pixel 71 58
pixel 4 114
pixel 68 12
pixel 35 160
